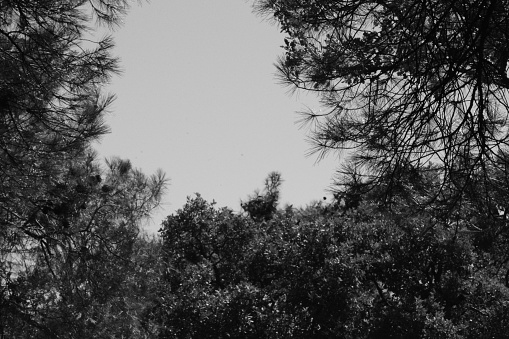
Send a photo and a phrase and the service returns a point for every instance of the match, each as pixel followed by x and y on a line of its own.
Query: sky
pixel 199 99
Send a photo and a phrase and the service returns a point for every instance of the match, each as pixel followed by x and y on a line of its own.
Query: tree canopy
pixel 414 246
pixel 68 225
pixel 333 271
pixel 51 107
pixel 415 94
pixel 403 83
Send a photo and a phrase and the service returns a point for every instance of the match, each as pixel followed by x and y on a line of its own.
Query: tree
pixel 404 83
pixel 64 222
pixel 321 272
pixel 203 253
pixel 262 206
pixel 71 277
pixel 51 106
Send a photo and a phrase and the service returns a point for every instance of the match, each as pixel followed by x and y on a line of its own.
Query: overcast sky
pixel 199 99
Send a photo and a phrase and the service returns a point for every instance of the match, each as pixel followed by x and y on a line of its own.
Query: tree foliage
pixel 70 272
pixel 51 107
pixel 415 244
pixel 68 228
pixel 328 271
pixel 407 83
pixel 263 205
pixel 404 83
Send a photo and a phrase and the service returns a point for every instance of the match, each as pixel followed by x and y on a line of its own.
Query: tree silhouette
pixel 262 206
pixel 404 83
pixel 59 211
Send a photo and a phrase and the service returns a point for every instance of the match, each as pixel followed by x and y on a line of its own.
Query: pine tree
pixel 402 83
pixel 58 209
